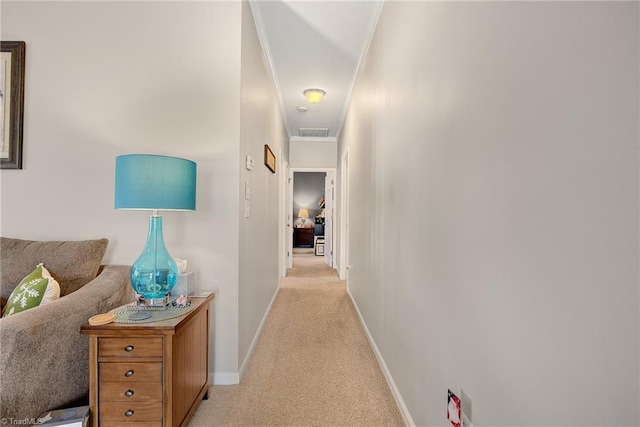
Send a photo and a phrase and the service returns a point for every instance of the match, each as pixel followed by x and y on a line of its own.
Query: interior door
pixel 289 221
pixel 328 219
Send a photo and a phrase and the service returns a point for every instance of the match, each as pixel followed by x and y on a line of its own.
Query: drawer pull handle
pixel 128 348
pixel 128 373
pixel 129 413
pixel 128 393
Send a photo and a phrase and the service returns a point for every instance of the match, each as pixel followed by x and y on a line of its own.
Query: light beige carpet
pixel 312 366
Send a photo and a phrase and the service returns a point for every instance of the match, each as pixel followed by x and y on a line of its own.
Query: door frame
pixel 343 266
pixel 330 219
pixel 286 220
pixel 289 209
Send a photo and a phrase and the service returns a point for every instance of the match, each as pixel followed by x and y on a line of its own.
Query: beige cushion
pixel 72 263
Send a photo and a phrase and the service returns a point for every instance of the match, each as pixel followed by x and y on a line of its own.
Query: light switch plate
pixel 249 163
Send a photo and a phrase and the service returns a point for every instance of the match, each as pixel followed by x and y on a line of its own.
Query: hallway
pixel 312 366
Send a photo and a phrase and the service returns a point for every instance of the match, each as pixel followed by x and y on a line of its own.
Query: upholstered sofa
pixel 44 360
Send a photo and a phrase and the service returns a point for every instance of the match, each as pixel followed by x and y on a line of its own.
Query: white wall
pixel 496 145
pixel 313 153
pixel 107 78
pixel 261 123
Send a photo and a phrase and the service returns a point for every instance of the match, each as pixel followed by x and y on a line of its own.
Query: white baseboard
pixel 392 385
pixel 224 378
pixel 232 378
pixel 252 348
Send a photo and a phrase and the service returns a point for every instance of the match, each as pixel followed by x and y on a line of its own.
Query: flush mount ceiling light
pixel 314 95
pixel 302 109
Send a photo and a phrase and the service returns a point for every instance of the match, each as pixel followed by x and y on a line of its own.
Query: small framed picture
pixel 269 158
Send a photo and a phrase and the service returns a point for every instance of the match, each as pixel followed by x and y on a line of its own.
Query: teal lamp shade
pixel 152 182
pixel 147 181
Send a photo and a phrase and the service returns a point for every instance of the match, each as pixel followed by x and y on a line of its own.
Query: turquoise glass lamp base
pixel 154 273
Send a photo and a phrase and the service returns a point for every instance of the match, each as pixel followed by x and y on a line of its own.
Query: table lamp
pixel 304 214
pixel 153 182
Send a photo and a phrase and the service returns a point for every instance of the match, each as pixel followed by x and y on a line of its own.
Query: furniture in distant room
pixel 151 374
pixel 319 224
pixel 319 245
pixel 303 237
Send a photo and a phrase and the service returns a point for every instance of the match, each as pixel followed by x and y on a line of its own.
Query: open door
pixel 328 219
pixel 284 230
pixel 289 222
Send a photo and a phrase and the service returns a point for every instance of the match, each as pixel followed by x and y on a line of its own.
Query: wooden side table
pixel 303 237
pixel 149 374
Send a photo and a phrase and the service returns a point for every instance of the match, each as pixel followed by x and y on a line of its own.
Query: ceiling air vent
pixel 316 132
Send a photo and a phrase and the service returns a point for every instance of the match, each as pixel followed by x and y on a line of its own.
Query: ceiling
pixel 315 44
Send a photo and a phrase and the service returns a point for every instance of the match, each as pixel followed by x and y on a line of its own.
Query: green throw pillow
pixel 38 288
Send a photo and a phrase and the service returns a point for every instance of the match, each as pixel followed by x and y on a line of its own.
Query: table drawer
pixel 130 372
pixel 130 411
pixel 131 424
pixel 130 347
pixel 130 392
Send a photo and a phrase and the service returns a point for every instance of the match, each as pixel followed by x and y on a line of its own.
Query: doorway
pixel 311 216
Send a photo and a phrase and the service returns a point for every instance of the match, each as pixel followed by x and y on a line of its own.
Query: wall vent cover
pixel 315 132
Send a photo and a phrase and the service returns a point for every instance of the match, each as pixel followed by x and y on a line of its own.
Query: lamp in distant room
pixel 314 95
pixel 304 214
pixel 152 182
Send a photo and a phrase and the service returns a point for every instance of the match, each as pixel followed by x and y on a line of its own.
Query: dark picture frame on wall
pixel 269 158
pixel 12 60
